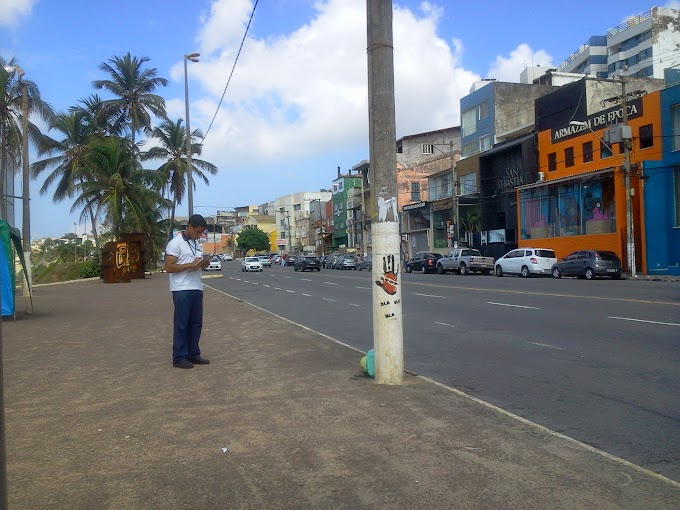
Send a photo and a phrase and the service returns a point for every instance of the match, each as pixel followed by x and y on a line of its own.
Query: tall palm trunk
pixel 172 218
pixel 93 219
pixel 3 173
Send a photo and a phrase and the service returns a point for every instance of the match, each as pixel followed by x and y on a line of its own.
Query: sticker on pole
pixel 388 280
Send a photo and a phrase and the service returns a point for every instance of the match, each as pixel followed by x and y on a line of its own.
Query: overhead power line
pixel 232 71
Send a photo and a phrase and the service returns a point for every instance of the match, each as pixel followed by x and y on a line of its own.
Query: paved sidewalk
pixel 97 418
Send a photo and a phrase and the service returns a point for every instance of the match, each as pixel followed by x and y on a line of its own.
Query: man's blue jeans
pixel 188 323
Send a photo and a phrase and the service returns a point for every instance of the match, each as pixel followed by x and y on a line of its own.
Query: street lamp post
pixel 190 182
pixel 630 232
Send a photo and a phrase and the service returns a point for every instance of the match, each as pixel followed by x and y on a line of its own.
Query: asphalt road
pixel 598 361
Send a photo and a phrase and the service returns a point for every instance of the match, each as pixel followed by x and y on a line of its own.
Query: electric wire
pixel 232 71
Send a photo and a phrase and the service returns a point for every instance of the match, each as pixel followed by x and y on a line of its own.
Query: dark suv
pixel 308 262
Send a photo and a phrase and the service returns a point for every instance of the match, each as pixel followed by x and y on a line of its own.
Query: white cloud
pixel 673 4
pixel 12 10
pixel 509 68
pixel 305 93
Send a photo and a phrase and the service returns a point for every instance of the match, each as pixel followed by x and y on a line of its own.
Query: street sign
pixel 404 237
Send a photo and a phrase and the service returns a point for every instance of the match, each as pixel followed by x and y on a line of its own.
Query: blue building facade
pixel 662 192
pixel 477 120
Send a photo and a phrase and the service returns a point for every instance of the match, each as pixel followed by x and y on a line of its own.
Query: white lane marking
pixel 546 345
pixel 305 279
pixel 246 281
pixel 648 322
pixel 238 279
pixel 308 295
pixel 265 285
pixel 277 288
pixel 231 278
pixel 353 304
pixel 445 324
pixel 429 295
pixel 255 283
pixel 328 299
pixel 330 283
pixel 365 288
pixel 514 306
pixel 291 291
pixel 287 276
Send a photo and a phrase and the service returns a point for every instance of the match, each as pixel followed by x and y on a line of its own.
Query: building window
pixel 675 121
pixel 483 110
pixel 468 121
pixel 587 152
pixel 297 207
pixel 415 192
pixel 485 143
pixel 646 136
pixel 676 192
pixel 552 162
pixel 471 148
pixel 468 184
pixel 605 151
pixel 569 157
pixel 426 148
pixel 283 223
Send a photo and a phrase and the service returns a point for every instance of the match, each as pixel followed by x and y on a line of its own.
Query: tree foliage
pixel 253 238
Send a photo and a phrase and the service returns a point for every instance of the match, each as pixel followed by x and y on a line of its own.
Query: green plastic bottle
pixel 370 363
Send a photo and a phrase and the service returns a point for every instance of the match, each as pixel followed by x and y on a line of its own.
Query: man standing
pixel 184 261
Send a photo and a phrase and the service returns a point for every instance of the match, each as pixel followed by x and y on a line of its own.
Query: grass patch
pixel 59 272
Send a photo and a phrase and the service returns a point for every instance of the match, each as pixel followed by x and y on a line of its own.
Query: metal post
pixel 364 240
pixel 26 221
pixel 387 311
pixel 190 181
pixel 630 227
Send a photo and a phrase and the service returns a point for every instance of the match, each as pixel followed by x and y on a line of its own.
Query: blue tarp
pixel 6 270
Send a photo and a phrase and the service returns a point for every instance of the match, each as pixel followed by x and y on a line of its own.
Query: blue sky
pixel 296 107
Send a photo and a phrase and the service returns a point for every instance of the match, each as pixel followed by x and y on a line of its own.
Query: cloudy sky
pixel 296 106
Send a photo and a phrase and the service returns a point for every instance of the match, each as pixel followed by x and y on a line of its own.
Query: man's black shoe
pixel 197 360
pixel 183 363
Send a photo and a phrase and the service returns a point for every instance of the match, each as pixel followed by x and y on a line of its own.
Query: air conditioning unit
pixel 541 176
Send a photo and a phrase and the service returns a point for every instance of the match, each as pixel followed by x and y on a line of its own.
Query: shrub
pixel 93 268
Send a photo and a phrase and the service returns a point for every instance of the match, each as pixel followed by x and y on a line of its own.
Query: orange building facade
pixel 579 201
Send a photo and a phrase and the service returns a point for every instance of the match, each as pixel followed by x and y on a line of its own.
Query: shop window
pixel 646 136
pixel 587 152
pixel 605 151
pixel 552 162
pixel 578 207
pixel 569 157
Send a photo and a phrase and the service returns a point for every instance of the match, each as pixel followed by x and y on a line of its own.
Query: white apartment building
pixel 642 46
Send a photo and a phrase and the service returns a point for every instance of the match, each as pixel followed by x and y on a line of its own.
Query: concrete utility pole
pixel 630 227
pixel 388 331
pixel 454 198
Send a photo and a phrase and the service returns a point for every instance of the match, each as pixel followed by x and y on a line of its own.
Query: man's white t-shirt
pixel 186 250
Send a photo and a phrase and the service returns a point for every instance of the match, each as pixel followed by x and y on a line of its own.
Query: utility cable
pixel 232 71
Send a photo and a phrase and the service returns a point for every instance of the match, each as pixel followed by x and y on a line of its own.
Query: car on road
pixel 588 264
pixel 215 265
pixel 251 264
pixel 425 262
pixel 276 259
pixel 290 260
pixel 465 261
pixel 310 262
pixel 266 261
pixel 227 257
pixel 526 262
pixel 366 263
pixel 345 262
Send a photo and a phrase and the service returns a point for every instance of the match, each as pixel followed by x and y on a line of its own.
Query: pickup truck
pixel 464 261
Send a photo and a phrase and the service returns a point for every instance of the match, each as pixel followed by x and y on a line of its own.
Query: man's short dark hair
pixel 198 221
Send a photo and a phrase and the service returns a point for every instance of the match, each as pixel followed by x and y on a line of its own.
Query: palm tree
pixel 127 195
pixel 133 87
pixel 10 123
pixel 67 157
pixel 172 138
